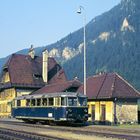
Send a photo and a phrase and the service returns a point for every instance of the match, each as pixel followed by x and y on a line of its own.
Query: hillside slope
pixel 112 45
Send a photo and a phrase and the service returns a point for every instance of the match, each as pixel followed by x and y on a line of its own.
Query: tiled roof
pixel 107 86
pixel 24 70
pixel 58 87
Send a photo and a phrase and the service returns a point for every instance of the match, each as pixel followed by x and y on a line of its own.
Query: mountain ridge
pixel 112 45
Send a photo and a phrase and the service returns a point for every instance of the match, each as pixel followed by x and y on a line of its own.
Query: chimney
pixel 31 52
pixel 45 65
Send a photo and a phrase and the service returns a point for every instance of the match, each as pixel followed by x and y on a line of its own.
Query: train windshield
pixel 72 101
pixel 82 101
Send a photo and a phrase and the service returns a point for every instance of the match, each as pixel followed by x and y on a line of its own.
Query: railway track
pixel 97 131
pixel 9 134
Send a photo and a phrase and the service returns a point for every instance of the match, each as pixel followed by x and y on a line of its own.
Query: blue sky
pixel 41 22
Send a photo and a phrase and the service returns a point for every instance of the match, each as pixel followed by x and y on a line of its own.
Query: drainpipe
pixel 115 117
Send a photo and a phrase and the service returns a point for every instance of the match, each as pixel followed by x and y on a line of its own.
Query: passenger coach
pixel 52 107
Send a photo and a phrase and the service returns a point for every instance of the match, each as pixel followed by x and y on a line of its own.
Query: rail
pixel 9 134
pixel 102 131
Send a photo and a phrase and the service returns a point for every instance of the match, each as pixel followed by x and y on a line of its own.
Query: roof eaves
pixel 17 85
pixel 5 85
pixel 103 98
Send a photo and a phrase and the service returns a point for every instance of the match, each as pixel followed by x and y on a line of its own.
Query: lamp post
pixel 84 28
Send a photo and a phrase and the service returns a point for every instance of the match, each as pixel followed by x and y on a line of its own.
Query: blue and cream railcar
pixel 55 107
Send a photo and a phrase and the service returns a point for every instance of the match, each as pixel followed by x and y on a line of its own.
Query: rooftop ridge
pixel 62 83
pixel 101 85
pixel 98 75
pixel 113 84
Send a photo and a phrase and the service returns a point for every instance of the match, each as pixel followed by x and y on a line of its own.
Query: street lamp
pixel 84 27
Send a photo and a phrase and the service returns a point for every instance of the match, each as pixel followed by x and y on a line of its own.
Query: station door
pixel 93 112
pixel 103 113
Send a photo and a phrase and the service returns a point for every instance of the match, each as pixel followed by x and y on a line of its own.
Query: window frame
pixel 18 104
pixel 72 101
pixel 52 101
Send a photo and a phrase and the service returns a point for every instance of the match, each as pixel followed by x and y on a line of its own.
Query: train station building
pixel 111 99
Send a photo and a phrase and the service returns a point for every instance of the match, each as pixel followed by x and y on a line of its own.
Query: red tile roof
pixel 24 70
pixel 107 86
pixel 58 87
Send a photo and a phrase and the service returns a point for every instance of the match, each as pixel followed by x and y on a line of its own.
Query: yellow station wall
pixel 6 97
pixel 109 106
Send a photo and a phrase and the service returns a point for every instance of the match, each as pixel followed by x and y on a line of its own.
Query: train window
pixel 44 102
pixel 57 101
pixel 18 103
pixel 23 103
pixel 82 101
pixel 50 101
pixel 27 102
pixel 63 101
pixel 32 102
pixel 72 101
pixel 38 102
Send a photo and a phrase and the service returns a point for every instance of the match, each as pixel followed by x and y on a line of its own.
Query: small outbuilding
pixel 111 99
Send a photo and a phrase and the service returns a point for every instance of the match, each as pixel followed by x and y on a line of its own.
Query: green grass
pixel 137 126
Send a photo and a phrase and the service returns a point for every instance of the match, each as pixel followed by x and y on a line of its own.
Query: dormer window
pixel 5 75
pixel 5 69
pixel 37 76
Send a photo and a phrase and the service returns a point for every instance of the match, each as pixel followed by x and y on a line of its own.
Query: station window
pixel 50 103
pixel 18 103
pixel 38 102
pixel 44 102
pixel 32 102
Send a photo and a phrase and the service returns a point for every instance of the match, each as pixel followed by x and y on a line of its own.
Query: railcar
pixel 53 107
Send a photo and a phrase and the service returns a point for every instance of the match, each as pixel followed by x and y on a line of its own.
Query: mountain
pixel 112 45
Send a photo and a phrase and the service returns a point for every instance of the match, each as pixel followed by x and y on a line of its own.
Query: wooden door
pixel 93 112
pixel 103 113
